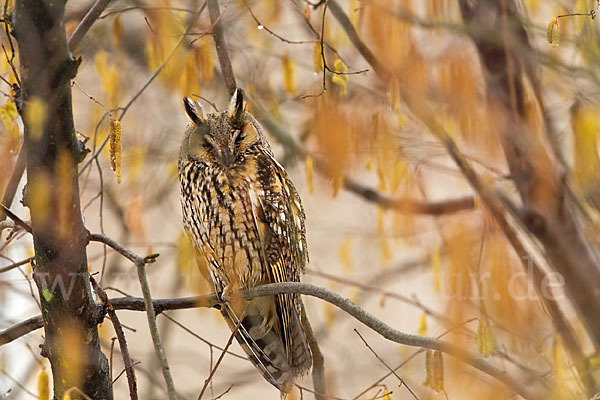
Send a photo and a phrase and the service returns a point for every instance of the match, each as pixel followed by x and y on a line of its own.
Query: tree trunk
pixel 59 236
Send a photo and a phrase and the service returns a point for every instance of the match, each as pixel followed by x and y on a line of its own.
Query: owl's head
pixel 221 139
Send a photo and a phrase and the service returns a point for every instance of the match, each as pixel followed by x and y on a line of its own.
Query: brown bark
pixel 60 239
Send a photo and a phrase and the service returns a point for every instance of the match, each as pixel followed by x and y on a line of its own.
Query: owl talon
pixel 225 295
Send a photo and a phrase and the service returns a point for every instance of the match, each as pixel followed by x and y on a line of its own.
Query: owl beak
pixel 227 157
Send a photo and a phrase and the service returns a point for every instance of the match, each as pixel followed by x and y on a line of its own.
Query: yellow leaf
pixel 394 94
pixel 485 341
pixel 422 325
pixel 558 360
pixel 586 126
pixel 309 174
pixel 205 60
pixel 340 79
pixel 345 254
pixel 8 114
pixel 189 80
pixel 289 77
pixel 43 386
pixel 184 256
pixel 115 147
pixel 36 113
pixel 317 57
pixel 338 182
pixel 386 395
pixel 369 163
pixel 553 32
pixel 436 266
pixel 109 77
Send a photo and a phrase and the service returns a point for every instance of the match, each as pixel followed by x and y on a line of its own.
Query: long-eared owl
pixel 244 216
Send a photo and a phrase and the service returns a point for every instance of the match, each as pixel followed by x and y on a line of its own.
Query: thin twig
pixel 262 26
pixel 212 372
pixel 386 364
pixel 148 82
pixel 158 348
pixel 17 220
pixel 194 334
pixel 140 263
pixel 345 304
pixel 13 182
pixel 131 381
pixel 86 23
pixel 16 264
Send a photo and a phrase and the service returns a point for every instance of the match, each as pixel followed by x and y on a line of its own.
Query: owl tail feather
pixel 264 347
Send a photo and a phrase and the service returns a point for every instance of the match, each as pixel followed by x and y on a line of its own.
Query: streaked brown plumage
pixel 247 223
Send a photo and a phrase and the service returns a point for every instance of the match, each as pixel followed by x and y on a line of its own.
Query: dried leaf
pixel 309 174
pixel 43 385
pixel 289 75
pixel 317 57
pixel 553 32
pixel 422 326
pixel 436 266
pixel 485 341
pixel 340 79
pixel 115 148
pixel 345 254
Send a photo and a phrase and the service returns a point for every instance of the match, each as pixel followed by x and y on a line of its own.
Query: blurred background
pixel 391 222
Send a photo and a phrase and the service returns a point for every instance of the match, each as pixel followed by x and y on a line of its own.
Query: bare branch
pixel 16 264
pixel 318 365
pixel 148 82
pixel 132 383
pixel 221 46
pixel 345 304
pixel 386 364
pixel 489 198
pixel 18 221
pixel 86 23
pixel 13 182
pixel 212 372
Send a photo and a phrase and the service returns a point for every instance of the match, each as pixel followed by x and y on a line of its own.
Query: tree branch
pixel 53 152
pixel 86 23
pixel 132 383
pixel 221 46
pixel 140 264
pixel 318 364
pixel 322 293
pixel 13 182
pixel 489 198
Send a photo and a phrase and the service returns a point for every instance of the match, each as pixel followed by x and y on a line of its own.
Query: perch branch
pixel 345 304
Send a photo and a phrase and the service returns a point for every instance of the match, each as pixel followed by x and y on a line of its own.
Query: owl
pixel 245 218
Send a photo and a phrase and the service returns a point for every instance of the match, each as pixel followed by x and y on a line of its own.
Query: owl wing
pixel 279 219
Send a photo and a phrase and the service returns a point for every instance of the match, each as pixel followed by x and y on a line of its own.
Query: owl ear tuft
pixel 194 110
pixel 237 106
